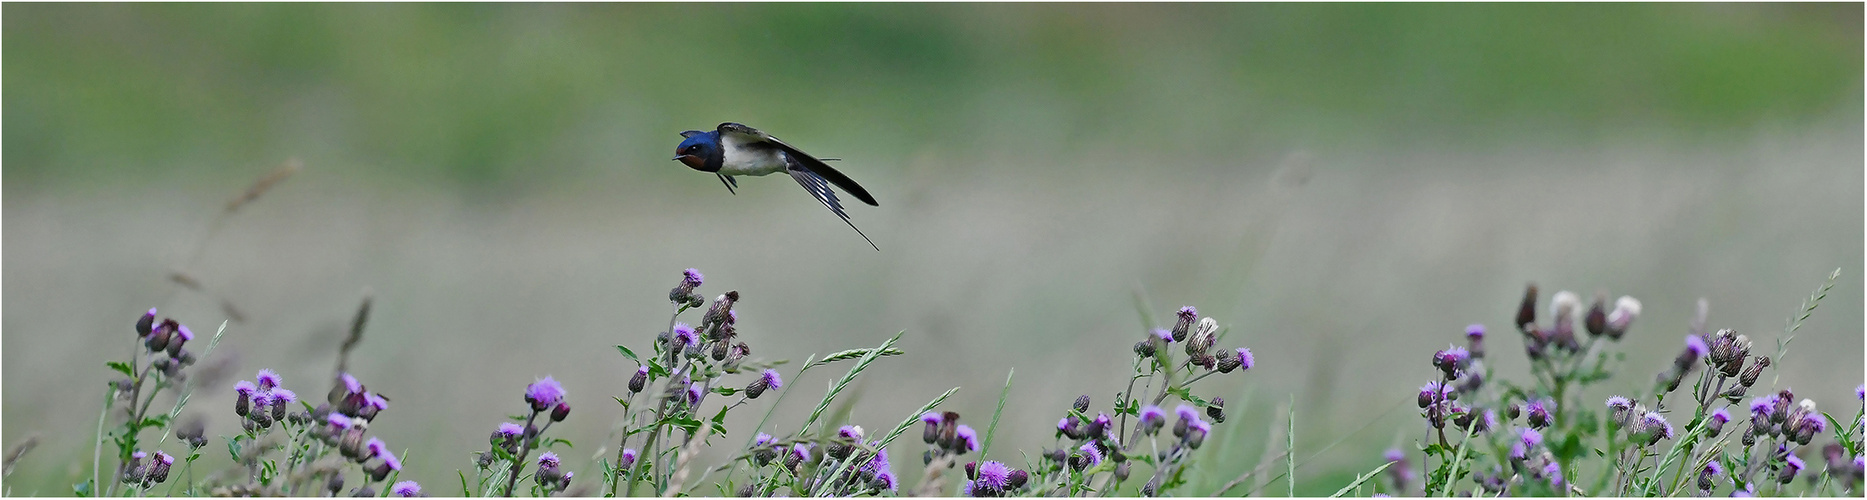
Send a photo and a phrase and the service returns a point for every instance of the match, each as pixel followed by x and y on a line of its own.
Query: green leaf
pixel 1569 448
pixel 628 353
pixel 121 367
pixel 726 391
pixel 655 370
pixel 1362 479
pixel 82 489
pixel 1841 434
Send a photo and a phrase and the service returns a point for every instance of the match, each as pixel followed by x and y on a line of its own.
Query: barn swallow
pixel 733 149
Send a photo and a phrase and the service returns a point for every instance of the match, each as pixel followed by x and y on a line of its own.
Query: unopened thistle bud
pixel 1071 427
pixel 1216 410
pixel 1227 361
pixel 1082 404
pixel 1620 409
pixel 1596 320
pixel 1144 348
pixel 1526 313
pixel 684 292
pixel 1791 466
pixel 146 323
pixel 1098 427
pixel 1750 375
pixel 559 412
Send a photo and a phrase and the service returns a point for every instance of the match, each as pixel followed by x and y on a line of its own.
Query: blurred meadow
pixel 1344 186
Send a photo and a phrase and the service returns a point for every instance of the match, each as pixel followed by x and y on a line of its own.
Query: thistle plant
pixel 1507 439
pixel 158 364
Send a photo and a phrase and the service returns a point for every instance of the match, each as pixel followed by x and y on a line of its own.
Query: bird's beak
pixel 677 158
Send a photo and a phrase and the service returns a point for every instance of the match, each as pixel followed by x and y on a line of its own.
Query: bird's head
pixel 699 151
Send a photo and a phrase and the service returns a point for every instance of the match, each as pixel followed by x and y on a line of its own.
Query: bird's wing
pixel 742 134
pixel 820 189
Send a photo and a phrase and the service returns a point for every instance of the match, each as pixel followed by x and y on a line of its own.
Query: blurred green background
pixel 1346 186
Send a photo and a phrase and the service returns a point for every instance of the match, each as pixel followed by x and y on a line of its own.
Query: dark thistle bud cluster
pixel 264 402
pixel 1565 311
pixel 145 470
pixel 948 436
pixel 1401 475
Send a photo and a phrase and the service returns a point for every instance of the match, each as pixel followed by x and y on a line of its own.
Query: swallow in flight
pixel 733 149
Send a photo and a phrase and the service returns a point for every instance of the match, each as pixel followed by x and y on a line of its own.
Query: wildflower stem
pixel 518 463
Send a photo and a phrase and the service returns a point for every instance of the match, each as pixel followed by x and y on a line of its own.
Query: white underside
pixel 740 160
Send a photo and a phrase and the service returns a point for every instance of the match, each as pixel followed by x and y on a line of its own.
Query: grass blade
pixel 1362 479
pixel 1290 453
pixel 837 388
pixel 993 429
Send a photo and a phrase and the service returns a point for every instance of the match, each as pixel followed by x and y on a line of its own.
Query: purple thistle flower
pixel 994 475
pixel 1518 451
pixel 628 458
pixel 548 460
pixel 1721 416
pixel 406 489
pixel 691 277
pixel 849 432
pixel 376 447
pixel 1152 418
pixel 1763 405
pixel 761 439
pixel 267 378
pixel 1714 469
pixel 284 395
pixel 376 401
pixel 1489 420
pixel 686 335
pixel 1860 392
pixel 931 418
pixel 1553 471
pixel 1394 455
pixel 1244 358
pixel 771 379
pixel 351 386
pixel 1475 332
pixel 1162 334
pixel 1186 412
pixel 1530 437
pixel 1793 461
pixel 1814 422
pixel 1619 403
pixel 1196 432
pixel 877 463
pixel 887 477
pixel 510 429
pixel 1091 453
pixel 1188 312
pixel 1697 346
pixel 1063 424
pixel 338 420
pixel 694 392
pixel 1657 423
pixel 1104 420
pixel 262 400
pixel 184 333
pixel 965 489
pixel 801 452
pixel 139 453
pixel 244 388
pixel 1538 411
pixel 544 393
pixel 1455 356
pixel 966 433
pixel 145 323
pixel 168 459
pixel 389 460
